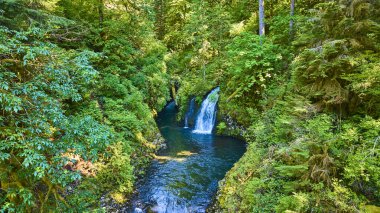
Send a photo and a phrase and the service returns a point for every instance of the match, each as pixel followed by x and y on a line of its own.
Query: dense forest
pixel 81 83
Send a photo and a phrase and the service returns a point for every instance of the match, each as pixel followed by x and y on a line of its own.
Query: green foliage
pixel 296 203
pixel 319 70
pixel 221 128
pixel 249 55
pixel 38 79
pixel 335 46
pixel 301 173
pixel 303 95
pixel 60 99
pixel 117 171
pixel 86 78
pixel 252 65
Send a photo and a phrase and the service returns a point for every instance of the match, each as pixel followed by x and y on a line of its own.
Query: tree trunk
pixel 160 18
pixel 261 18
pixel 101 13
pixel 292 5
pixel 174 93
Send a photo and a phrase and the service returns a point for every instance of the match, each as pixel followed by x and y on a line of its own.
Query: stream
pixel 184 177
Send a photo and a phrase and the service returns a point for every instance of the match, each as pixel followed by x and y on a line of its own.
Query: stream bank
pixel 184 177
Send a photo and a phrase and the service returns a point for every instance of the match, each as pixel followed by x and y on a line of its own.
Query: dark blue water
pixel 184 177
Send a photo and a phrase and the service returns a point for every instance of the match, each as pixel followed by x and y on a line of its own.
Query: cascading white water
pixel 206 117
pixel 190 112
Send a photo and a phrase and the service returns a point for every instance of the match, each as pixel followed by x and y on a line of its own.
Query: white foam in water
pixel 138 210
pixel 206 117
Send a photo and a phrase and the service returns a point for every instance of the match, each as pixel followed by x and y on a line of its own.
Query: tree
pixel 292 5
pixel 261 18
pixel 38 80
pixel 101 13
pixel 159 7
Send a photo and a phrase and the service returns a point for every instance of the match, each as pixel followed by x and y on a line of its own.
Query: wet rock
pixel 109 205
pixel 233 128
pixel 159 141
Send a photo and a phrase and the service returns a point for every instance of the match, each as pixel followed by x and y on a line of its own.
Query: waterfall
pixel 190 112
pixel 207 114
